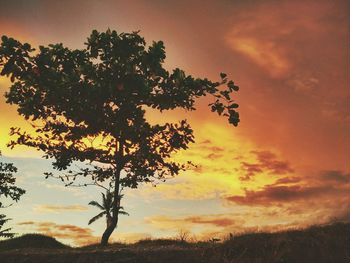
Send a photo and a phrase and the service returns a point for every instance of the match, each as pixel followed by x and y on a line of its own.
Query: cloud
pixel 250 170
pixel 336 176
pixel 214 220
pixel 266 54
pixel 275 36
pixel 317 198
pixel 59 208
pixel 278 195
pixel 78 235
pixel 267 162
pixel 288 180
pixel 76 191
pixel 301 109
pixel 188 222
pixel 213 156
pixel 303 83
pixel 27 223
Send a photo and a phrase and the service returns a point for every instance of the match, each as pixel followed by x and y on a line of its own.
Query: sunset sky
pixel 286 165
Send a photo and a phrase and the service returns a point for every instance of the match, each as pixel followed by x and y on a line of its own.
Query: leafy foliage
pixel 5 232
pixel 8 190
pixel 103 90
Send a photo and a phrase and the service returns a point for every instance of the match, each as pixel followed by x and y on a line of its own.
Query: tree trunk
pixel 116 202
pixel 109 230
pixel 112 224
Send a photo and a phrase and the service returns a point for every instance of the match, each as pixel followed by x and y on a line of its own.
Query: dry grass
pixel 321 244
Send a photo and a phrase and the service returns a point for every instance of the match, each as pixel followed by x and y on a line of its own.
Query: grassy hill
pixel 319 244
pixel 31 241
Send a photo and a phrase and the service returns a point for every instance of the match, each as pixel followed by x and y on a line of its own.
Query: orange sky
pixel 286 165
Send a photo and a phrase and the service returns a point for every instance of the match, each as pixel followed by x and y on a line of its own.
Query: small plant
pixel 107 207
pixel 183 236
pixel 214 240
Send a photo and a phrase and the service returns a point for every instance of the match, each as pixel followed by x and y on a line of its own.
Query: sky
pixel 285 166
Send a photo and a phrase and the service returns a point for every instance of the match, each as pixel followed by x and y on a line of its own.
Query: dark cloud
pixel 267 162
pixel 221 222
pixel 336 176
pixel 288 180
pixel 208 145
pixel 215 149
pixel 213 156
pixel 272 194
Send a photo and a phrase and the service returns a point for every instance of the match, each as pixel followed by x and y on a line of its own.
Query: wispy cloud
pixel 266 162
pixel 279 194
pixel 59 208
pixel 266 54
pixel 188 222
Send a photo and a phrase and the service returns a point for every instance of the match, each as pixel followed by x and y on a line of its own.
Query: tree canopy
pixel 8 190
pixel 89 105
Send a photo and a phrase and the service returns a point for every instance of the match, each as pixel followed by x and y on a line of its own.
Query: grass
pixel 31 241
pixel 321 244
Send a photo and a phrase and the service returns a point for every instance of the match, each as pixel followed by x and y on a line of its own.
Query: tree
pixel 106 207
pixel 89 105
pixel 8 189
pixel 5 232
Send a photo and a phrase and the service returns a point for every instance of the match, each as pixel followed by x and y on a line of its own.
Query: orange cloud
pixel 267 162
pixel 279 194
pixel 316 191
pixel 59 208
pixel 266 54
pixel 71 233
pixel 220 171
pixel 217 220
pixel 294 78
pixel 78 236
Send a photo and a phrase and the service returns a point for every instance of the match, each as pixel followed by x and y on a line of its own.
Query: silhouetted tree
pixel 8 189
pixel 89 105
pixel 107 207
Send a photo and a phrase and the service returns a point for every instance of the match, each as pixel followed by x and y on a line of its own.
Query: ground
pixel 321 244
